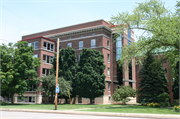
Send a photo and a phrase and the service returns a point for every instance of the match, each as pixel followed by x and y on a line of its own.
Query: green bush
pixel 176 108
pixel 164 99
pixel 123 93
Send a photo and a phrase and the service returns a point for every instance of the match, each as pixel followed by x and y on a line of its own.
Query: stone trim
pixel 107 80
pixel 106 29
pixel 94 47
pixel 84 38
pixel 115 81
pixel 127 80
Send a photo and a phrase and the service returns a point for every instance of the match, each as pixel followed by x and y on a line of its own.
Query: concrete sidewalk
pixel 138 115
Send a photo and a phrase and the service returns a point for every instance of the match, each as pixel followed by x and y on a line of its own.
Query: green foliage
pixel 18 67
pixel 176 108
pixel 153 104
pixel 67 67
pixel 153 81
pixel 48 85
pixel 90 78
pixel 160 29
pixel 163 97
pixel 123 93
pixel 175 88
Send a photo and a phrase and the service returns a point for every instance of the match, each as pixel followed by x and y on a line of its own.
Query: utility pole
pixel 57 64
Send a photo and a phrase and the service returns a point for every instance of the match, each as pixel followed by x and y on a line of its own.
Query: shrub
pixel 176 108
pixel 123 93
pixel 153 104
pixel 164 99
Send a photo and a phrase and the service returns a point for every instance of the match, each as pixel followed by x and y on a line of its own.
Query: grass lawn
pixel 50 106
pixel 134 109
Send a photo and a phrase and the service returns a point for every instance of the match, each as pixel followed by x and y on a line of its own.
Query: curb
pixel 164 116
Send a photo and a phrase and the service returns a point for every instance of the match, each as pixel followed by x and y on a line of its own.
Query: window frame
pixel 92 46
pixel 108 58
pixel 108 72
pixel 69 44
pixel 45 72
pixel 45 46
pixel 81 46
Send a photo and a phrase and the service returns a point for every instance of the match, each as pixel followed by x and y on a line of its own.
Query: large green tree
pixel 160 31
pixel 153 81
pixel 90 78
pixel 18 68
pixel 67 67
pixel 175 83
pixel 48 86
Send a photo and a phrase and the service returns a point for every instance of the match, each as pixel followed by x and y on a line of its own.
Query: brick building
pixel 93 35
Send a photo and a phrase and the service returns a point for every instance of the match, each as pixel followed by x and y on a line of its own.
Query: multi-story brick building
pixel 94 35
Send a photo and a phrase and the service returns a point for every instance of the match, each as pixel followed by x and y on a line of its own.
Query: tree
pixel 160 29
pixel 67 67
pixel 90 78
pixel 176 83
pixel 48 85
pixel 18 68
pixel 123 93
pixel 153 81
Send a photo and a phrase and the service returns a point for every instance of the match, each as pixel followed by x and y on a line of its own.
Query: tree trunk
pixel 90 100
pixel 12 101
pixel 66 100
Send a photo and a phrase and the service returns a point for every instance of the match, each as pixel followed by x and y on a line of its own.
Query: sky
pixel 23 17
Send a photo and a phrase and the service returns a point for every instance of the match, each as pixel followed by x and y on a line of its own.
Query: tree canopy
pixel 18 67
pixel 153 81
pixel 48 85
pixel 90 78
pixel 67 66
pixel 161 31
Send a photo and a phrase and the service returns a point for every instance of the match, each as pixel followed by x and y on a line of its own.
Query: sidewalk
pixel 164 116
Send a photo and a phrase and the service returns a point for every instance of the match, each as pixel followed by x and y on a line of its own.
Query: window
pixel 108 35
pixel 108 45
pixel 35 55
pixel 93 43
pixel 164 60
pixel 129 33
pixel 81 36
pixel 108 58
pixel 45 72
pixel 47 59
pixel 93 34
pixel 48 46
pixel 131 84
pixel 34 44
pixel 69 44
pixel 108 72
pixel 69 38
pixel 165 70
pixel 80 44
pixel 79 57
pixel 109 86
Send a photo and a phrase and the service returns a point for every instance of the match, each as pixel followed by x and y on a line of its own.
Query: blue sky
pixel 22 17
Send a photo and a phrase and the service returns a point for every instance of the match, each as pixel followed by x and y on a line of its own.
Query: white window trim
pixel 92 46
pixel 108 46
pixel 29 44
pixel 45 72
pixel 69 44
pixel 45 61
pixel 82 44
pixel 108 72
pixel 109 86
pixel 51 49
pixel 108 58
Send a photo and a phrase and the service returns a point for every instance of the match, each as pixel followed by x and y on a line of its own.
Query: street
pixel 32 115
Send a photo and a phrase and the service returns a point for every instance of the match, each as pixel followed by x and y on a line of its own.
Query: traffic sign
pixel 57 85
pixel 57 89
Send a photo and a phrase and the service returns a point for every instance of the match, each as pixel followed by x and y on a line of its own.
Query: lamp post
pixel 57 64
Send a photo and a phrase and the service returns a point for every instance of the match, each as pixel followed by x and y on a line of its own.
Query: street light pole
pixel 57 64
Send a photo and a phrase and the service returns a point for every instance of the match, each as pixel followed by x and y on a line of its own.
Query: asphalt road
pixel 32 115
